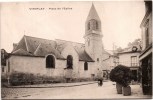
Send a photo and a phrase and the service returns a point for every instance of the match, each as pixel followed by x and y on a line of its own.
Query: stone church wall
pixel 69 50
pixel 58 70
pixel 85 73
pixel 26 64
pixel 35 65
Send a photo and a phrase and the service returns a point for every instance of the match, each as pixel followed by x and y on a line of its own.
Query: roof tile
pixel 33 46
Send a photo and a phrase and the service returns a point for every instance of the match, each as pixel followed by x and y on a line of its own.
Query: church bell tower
pixel 93 36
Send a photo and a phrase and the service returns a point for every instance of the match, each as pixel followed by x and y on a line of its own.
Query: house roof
pixel 130 49
pixel 109 52
pixel 106 52
pixel 32 46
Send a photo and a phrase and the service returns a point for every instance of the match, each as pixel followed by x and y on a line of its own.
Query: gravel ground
pixel 90 91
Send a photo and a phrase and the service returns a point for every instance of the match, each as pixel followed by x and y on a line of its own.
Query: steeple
pixel 93 38
pixel 93 35
pixel 93 23
pixel 93 14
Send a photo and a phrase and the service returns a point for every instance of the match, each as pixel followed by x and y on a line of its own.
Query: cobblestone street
pixel 90 91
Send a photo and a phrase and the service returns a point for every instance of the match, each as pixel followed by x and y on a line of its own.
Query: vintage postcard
pixel 76 50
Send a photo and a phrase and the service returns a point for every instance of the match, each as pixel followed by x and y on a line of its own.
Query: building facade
pixel 130 58
pixel 146 54
pixel 110 60
pixel 60 58
pixel 4 56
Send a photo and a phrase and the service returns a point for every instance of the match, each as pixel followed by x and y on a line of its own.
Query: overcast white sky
pixel 120 21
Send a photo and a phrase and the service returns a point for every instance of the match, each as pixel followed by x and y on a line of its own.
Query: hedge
pixel 20 78
pixel 121 74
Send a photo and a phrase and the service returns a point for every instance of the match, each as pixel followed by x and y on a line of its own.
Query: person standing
pixel 100 77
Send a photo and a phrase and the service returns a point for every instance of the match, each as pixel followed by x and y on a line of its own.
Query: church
pixel 60 57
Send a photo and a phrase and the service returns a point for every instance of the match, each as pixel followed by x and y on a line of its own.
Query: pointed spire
pixel 93 13
pixel 92 4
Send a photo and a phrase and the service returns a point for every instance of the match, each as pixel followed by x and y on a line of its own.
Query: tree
pixel 135 42
pixel 121 74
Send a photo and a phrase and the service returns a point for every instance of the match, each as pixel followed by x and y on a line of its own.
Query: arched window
pixel 50 61
pixel 96 25
pixel 69 62
pixel 88 25
pixel 85 66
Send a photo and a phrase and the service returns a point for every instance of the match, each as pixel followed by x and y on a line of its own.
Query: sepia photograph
pixel 76 49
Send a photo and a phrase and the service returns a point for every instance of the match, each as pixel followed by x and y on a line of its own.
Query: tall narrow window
pixel 69 62
pixel 85 66
pixel 88 25
pixel 96 25
pixel 147 37
pixel 8 66
pixel 134 61
pixel 50 61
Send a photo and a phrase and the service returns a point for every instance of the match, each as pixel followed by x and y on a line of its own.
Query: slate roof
pixel 79 47
pixel 45 49
pixel 129 49
pixel 105 52
pixel 22 52
pixel 83 55
pixel 32 46
pixel 93 14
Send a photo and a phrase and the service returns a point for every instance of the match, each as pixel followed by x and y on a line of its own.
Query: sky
pixel 120 21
